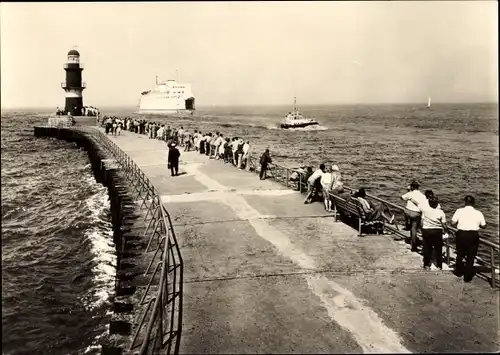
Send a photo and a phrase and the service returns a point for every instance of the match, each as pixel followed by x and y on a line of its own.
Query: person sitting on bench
pixel 375 211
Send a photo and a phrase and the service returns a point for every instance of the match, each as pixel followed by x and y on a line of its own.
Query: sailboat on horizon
pixel 429 102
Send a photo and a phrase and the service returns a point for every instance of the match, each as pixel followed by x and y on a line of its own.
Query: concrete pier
pixel 264 273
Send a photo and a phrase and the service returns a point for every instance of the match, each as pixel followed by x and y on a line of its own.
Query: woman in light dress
pixel 326 180
pixel 332 184
pixel 118 127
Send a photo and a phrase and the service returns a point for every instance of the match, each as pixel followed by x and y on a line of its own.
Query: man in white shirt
pixel 314 182
pixel 468 221
pixel 218 142
pixel 246 149
pixel 412 212
pixel 234 148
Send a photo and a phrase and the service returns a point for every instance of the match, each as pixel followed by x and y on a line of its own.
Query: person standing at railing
pixel 433 225
pixel 234 148
pixel 202 143
pixel 187 140
pixel 314 183
pixel 220 147
pixel 265 160
pixel 428 194
pixel 119 127
pixel 108 125
pixel 304 176
pixel 412 212
pixel 196 140
pixel 336 184
pixel 214 145
pixel 208 142
pixel 468 221
pixel 239 153
pixel 173 159
pixel 246 152
pixel 227 151
pixel 180 133
pixel 326 182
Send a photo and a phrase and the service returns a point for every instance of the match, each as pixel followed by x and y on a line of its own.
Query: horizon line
pixel 275 105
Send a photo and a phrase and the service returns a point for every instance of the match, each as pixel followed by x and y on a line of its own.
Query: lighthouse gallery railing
pixel 160 327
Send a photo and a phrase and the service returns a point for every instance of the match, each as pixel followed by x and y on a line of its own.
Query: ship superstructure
pixel 167 97
pixel 296 119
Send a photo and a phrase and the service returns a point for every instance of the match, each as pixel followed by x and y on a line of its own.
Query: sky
pixel 253 53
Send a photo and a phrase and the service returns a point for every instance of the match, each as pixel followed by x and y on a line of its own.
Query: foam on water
pixel 103 250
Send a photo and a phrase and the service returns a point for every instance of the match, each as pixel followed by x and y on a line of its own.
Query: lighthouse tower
pixel 73 86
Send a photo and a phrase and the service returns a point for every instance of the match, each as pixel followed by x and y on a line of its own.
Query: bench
pixel 352 208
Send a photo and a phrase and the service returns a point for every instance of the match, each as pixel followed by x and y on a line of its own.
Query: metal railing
pixel 64 85
pixel 489 253
pixel 71 65
pixel 160 326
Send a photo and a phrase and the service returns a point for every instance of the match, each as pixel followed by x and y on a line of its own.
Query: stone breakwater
pixel 134 286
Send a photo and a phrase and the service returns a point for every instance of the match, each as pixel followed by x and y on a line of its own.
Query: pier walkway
pixel 264 273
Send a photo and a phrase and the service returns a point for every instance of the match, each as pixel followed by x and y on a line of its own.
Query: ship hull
pixel 163 112
pixel 298 125
pixel 159 103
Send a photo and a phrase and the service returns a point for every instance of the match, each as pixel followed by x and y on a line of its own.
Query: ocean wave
pixel 102 248
pixel 58 258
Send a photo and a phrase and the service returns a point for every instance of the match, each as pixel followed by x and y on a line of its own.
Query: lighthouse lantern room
pixel 73 86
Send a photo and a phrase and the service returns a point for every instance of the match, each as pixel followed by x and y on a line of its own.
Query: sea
pixel 58 257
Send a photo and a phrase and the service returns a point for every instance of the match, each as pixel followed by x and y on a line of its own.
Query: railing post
pixel 448 251
pixel 492 260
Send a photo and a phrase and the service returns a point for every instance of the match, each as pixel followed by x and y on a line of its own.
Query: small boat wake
pixel 309 128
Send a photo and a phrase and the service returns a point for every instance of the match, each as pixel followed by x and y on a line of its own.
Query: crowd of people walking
pixel 422 211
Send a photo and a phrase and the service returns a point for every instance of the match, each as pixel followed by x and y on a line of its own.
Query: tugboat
pixel 296 119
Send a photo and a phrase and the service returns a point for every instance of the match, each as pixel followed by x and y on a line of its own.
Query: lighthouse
pixel 73 86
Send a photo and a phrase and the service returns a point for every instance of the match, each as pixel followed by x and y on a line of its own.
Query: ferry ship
pixel 296 119
pixel 167 97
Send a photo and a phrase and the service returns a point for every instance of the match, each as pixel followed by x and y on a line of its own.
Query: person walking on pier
pixel 173 159
pixel 265 160
pixel 412 212
pixel 314 183
pixel 468 221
